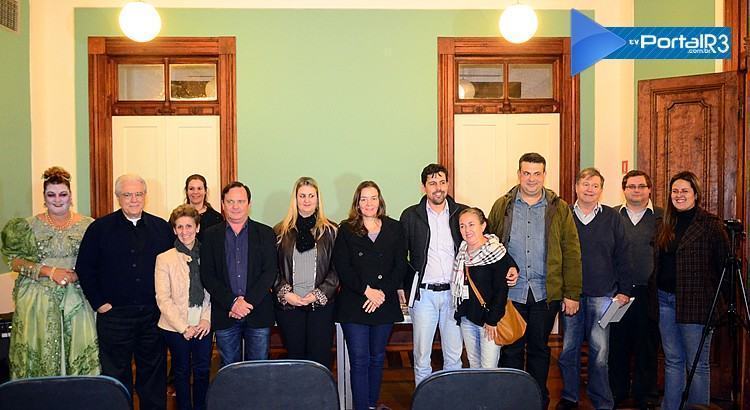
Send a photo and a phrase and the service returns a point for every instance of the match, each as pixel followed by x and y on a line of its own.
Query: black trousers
pixel 532 350
pixel 128 332
pixel 308 334
pixel 637 336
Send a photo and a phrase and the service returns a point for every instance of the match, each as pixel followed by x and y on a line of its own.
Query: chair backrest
pixel 273 384
pixel 478 389
pixel 64 392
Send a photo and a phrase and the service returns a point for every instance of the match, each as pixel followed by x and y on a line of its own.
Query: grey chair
pixel 64 392
pixel 273 384
pixel 478 389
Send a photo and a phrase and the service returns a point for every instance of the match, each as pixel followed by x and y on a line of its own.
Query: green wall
pixel 15 123
pixel 670 13
pixel 340 95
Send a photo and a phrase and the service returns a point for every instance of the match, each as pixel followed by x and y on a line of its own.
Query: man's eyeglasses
pixel 634 187
pixel 137 195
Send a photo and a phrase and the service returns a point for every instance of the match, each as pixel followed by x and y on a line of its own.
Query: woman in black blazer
pixel 370 258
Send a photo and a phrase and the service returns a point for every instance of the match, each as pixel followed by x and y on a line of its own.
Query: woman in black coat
pixel 370 258
pixel 691 247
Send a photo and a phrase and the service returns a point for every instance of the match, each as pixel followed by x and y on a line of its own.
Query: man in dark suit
pixel 116 269
pixel 238 267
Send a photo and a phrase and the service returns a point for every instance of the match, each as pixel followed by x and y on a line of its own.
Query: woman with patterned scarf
pixel 307 282
pixel 185 309
pixel 482 260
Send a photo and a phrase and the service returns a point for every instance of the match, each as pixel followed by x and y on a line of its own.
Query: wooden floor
pixel 398 378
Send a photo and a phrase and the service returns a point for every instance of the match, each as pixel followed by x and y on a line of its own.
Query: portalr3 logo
pixel 703 43
pixel 590 42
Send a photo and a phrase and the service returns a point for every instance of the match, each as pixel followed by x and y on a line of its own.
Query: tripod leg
pixel 743 292
pixel 706 330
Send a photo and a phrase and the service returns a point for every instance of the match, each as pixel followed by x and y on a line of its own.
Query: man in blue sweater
pixel 116 269
pixel 606 279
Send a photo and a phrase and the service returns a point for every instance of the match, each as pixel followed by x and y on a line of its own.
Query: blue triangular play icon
pixel 590 42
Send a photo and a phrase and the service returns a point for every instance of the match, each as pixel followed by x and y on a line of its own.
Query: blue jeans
pixel 230 340
pixel 366 345
pixel 187 355
pixel 433 310
pixel 680 343
pixel 482 353
pixel 584 325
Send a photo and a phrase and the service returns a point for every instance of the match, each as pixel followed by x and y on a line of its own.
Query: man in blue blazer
pixel 238 268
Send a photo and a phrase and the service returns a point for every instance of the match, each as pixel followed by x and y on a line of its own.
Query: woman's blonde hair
pixel 290 220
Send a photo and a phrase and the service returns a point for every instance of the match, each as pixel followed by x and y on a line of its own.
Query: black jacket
pixel 380 264
pixel 490 280
pixel 417 232
pixel 262 270
pixel 116 259
pixel 326 278
pixel 209 218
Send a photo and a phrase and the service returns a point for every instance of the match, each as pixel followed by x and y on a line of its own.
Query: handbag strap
pixel 474 288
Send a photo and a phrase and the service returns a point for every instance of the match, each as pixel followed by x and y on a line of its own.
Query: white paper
pixel 414 286
pixel 614 312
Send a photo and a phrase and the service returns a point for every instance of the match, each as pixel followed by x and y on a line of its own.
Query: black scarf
pixel 305 239
pixel 195 294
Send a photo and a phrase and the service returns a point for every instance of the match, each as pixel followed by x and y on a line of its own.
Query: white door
pixel 487 148
pixel 164 150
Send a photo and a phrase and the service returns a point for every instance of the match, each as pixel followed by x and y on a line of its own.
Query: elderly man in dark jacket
pixel 116 269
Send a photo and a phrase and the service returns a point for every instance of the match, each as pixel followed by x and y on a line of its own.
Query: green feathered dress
pixel 54 330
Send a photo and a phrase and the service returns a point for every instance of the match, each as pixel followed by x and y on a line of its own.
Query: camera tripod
pixel 732 275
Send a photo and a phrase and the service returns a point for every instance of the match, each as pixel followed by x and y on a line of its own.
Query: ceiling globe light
pixel 466 90
pixel 518 23
pixel 140 21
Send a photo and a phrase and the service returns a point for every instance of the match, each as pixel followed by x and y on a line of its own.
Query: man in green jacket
pixel 538 230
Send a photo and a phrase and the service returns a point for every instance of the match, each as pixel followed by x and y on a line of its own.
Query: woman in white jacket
pixel 185 309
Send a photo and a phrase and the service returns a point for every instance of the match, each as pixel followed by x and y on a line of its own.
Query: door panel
pixel 138 147
pixel 164 150
pixel 193 148
pixel 534 133
pixel 690 123
pixel 487 148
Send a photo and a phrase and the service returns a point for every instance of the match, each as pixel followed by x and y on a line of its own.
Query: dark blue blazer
pixel 262 269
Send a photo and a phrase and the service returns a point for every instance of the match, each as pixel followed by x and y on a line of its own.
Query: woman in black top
pixel 483 260
pixel 370 258
pixel 307 282
pixel 691 245
pixel 196 192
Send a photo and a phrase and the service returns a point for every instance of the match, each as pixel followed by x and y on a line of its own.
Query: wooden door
pixel 487 148
pixel 690 123
pixel 565 101
pixel 164 150
pixel 105 53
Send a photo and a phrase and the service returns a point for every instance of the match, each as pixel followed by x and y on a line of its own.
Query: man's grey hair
pixel 128 178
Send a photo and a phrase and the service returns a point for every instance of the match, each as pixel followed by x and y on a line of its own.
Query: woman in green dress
pixel 54 332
